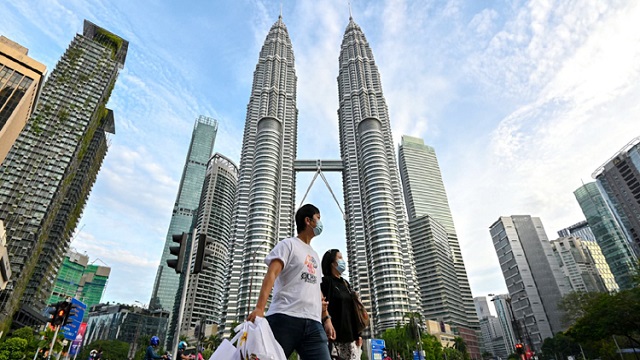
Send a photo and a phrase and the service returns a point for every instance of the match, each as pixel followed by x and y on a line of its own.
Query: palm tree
pixel 212 342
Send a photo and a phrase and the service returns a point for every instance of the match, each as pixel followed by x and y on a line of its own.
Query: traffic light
pixel 178 263
pixel 60 313
pixel 519 349
pixel 201 254
pixel 71 311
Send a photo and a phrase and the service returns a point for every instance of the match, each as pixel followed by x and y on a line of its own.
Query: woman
pixel 342 311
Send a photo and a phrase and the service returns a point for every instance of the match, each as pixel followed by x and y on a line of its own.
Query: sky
pixel 522 100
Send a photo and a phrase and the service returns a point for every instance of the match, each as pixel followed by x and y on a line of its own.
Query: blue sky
pixel 522 100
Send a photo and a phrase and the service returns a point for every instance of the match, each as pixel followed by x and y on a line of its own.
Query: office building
pixel 206 289
pixel 167 283
pixel 619 178
pixel 442 277
pixel 533 277
pixel 124 323
pixel 577 264
pixel 49 172
pixel 381 258
pixel 79 279
pixel 491 330
pixel 583 231
pixel 442 332
pixel 375 213
pixel 21 78
pixel 266 181
pixel 609 234
pixel 511 328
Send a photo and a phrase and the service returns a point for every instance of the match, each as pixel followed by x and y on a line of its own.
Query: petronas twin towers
pixel 381 264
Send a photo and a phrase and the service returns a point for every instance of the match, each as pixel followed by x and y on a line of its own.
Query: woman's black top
pixel 341 308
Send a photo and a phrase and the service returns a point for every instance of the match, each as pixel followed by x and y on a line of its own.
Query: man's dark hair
pixel 327 260
pixel 306 211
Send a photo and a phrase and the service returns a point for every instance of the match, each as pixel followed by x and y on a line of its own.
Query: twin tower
pixel 381 264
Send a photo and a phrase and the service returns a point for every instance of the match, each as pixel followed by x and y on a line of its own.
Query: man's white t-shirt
pixel 296 291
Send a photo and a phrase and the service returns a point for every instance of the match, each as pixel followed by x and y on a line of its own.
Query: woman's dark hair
pixel 328 259
pixel 306 211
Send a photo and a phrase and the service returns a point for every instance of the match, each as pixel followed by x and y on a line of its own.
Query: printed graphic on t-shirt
pixel 312 265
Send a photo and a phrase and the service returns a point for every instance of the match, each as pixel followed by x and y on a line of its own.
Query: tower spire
pixel 280 9
pixel 350 14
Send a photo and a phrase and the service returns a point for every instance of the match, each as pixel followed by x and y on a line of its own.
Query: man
pixel 151 349
pixel 297 314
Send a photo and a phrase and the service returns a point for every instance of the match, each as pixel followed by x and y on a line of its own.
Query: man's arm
pixel 275 267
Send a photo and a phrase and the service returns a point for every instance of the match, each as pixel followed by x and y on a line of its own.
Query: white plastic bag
pixel 255 340
pixel 226 351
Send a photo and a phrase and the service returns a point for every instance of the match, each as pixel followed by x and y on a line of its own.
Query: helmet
pixel 182 345
pixel 155 341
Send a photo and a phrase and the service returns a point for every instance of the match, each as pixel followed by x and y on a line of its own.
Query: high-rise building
pixel 381 259
pixel 81 280
pixel 49 172
pixel 491 329
pixel 619 177
pixel 482 306
pixel 609 234
pixel 425 195
pixel 533 277
pixel 583 231
pixel 580 229
pixel 167 283
pixel 510 328
pixel 266 181
pixel 577 264
pixel 21 78
pixel 206 289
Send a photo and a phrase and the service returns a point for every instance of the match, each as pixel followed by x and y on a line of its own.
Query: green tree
pixel 610 314
pixel 212 342
pixel 111 349
pixel 403 340
pixel 13 348
pixel 45 340
pixel 487 355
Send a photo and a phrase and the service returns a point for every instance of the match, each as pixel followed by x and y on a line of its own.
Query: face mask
pixel 342 265
pixel 318 229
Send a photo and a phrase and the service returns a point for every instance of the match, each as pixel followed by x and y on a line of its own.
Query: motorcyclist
pixel 182 346
pixel 151 350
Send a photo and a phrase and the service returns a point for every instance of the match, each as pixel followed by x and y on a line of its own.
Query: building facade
pixel 21 78
pixel 81 280
pixel 532 275
pixel 583 231
pixel 609 234
pixel 425 195
pixel 266 181
pixel 508 324
pixel 48 174
pixel 619 177
pixel 124 323
pixel 206 290
pixel 577 264
pixel 381 259
pixel 167 283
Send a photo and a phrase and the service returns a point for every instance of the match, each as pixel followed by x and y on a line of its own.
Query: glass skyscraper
pixel 609 234
pixel 167 283
pixel 49 172
pixel 620 180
